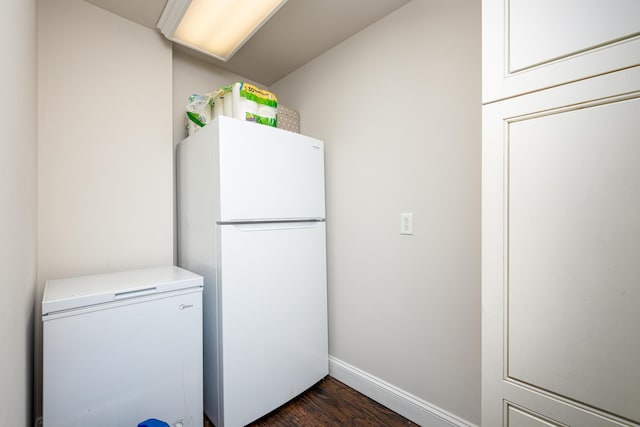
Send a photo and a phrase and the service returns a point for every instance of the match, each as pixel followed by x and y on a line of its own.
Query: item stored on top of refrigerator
pixel 198 112
pixel 253 104
pixel 240 100
pixel 288 119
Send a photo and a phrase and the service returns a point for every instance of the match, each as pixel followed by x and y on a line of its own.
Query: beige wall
pixel 18 175
pixel 105 199
pixel 398 106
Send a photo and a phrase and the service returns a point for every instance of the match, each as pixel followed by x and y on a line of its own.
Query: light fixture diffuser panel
pixel 215 27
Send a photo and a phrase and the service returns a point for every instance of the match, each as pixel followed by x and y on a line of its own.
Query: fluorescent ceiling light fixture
pixel 215 27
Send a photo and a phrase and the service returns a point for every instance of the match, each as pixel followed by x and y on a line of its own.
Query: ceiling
pixel 300 31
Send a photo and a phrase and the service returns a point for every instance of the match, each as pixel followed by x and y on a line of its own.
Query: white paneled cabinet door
pixel 561 213
pixel 536 44
pixel 561 256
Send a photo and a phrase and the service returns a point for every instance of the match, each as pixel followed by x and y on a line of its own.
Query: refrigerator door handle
pixel 271 226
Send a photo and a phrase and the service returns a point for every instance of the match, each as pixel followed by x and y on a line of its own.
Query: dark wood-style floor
pixel 330 403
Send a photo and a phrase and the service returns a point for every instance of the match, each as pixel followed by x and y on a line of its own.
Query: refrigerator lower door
pixel 273 317
pixel 121 363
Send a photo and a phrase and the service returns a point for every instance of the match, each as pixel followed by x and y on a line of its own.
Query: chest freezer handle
pixel 135 293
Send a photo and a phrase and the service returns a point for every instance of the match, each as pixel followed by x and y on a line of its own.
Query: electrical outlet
pixel 406 223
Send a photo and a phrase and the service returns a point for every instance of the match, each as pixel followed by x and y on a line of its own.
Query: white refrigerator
pixel 251 221
pixel 120 348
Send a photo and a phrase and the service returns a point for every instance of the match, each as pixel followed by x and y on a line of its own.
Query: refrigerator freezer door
pixel 273 315
pixel 268 173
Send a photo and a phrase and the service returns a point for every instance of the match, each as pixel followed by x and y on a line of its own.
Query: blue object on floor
pixel 152 422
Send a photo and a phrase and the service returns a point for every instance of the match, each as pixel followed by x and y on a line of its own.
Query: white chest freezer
pixel 123 347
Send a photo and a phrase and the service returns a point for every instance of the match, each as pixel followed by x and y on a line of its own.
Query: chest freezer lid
pixel 84 291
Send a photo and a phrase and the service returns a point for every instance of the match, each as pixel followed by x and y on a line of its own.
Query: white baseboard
pixel 399 401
